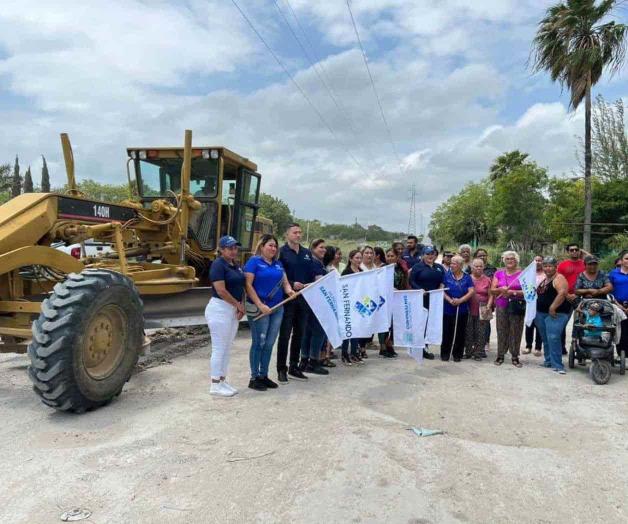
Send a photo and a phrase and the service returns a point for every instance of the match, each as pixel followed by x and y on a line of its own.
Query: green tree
pixel 463 217
pixel 575 47
pixel 505 163
pixel 45 176
pixel 564 208
pixel 16 183
pixel 105 192
pixel 277 210
pixel 28 181
pixel 517 204
pixel 6 180
pixel 609 141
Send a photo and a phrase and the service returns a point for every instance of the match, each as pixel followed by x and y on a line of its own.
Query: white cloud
pixel 132 73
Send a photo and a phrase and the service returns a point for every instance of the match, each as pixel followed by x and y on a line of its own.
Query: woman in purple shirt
pixel 509 308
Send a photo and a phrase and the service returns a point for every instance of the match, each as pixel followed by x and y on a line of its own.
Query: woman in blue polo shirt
pixel 619 279
pixel 460 289
pixel 266 283
pixel 224 311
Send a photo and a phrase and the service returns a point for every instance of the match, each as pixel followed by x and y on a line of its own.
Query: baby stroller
pixel 593 338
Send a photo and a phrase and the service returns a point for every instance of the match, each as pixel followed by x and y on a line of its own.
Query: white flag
pixel 358 299
pixel 386 289
pixel 527 279
pixel 321 297
pixel 434 331
pixel 409 319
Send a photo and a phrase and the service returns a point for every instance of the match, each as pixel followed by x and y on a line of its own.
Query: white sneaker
pixel 218 389
pixel 229 387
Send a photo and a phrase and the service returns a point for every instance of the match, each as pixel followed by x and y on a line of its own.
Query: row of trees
pixel 279 212
pixel 12 183
pixel 519 203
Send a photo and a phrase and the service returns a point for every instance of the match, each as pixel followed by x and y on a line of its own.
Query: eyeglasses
pixel 573 249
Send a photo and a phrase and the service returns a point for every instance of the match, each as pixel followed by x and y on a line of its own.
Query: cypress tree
pixel 45 177
pixel 28 181
pixel 16 186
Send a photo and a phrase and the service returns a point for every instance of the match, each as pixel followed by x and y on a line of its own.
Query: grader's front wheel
pixel 86 340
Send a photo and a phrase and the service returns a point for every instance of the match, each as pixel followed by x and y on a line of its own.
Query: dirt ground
pixel 521 445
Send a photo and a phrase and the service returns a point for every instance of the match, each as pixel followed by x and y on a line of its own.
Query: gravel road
pixel 521 445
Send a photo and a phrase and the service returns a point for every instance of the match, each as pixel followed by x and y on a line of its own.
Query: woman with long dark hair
pixel 266 284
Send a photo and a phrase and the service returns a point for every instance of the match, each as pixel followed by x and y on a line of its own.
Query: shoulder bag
pixel 252 310
pixel 516 306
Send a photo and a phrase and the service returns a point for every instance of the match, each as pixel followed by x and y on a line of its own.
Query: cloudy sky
pixel 451 75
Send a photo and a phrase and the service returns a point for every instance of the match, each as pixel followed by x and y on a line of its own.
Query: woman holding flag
pixel 552 313
pixel 355 261
pixel 314 338
pixel 510 308
pixel 266 283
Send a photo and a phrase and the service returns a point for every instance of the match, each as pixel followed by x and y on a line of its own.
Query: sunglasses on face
pixel 573 250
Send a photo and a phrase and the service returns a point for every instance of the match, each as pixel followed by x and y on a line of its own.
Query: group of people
pixel 477 291
pixel 474 292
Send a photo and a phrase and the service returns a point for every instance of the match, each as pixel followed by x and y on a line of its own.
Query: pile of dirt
pixel 169 343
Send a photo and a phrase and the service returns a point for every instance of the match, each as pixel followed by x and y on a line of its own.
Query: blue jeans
pixel 551 329
pixel 264 333
pixel 313 338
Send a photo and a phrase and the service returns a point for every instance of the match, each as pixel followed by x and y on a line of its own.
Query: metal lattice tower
pixel 412 217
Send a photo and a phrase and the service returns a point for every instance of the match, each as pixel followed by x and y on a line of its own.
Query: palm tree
pixel 576 45
pixel 505 163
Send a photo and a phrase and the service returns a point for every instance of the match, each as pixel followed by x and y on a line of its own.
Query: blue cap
pixel 429 250
pixel 228 241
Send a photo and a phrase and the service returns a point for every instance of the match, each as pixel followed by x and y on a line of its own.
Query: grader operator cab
pixel 82 321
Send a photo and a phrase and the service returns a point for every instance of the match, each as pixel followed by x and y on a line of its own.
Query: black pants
pixel 449 326
pixel 538 343
pixel 354 347
pixel 623 341
pixel 293 323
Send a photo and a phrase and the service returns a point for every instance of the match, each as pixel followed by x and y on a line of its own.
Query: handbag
pixel 252 310
pixel 485 312
pixel 516 306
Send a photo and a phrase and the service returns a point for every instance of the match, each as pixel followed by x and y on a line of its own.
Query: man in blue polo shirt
pixel 428 275
pixel 297 262
pixel 412 253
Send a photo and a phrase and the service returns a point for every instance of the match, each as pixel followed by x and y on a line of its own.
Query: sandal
pixel 363 354
pixel 516 363
pixel 346 361
pixel 527 351
pixel 538 353
pixel 499 361
pixel 328 363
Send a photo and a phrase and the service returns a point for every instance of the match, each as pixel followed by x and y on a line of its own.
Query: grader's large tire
pixel 86 340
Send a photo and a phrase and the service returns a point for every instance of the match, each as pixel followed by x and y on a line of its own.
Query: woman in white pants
pixel 223 313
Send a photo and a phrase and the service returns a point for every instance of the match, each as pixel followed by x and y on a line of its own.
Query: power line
pixel 296 84
pixel 379 102
pixel 316 63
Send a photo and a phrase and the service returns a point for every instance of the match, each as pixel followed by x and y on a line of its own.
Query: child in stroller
pixel 593 333
pixel 594 323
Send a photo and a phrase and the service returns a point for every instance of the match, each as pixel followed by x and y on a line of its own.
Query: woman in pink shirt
pixel 480 314
pixel 509 308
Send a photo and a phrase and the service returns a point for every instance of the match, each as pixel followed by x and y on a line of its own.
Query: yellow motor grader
pixel 82 320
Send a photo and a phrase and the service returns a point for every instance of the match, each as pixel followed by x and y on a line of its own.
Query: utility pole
pixel 412 215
